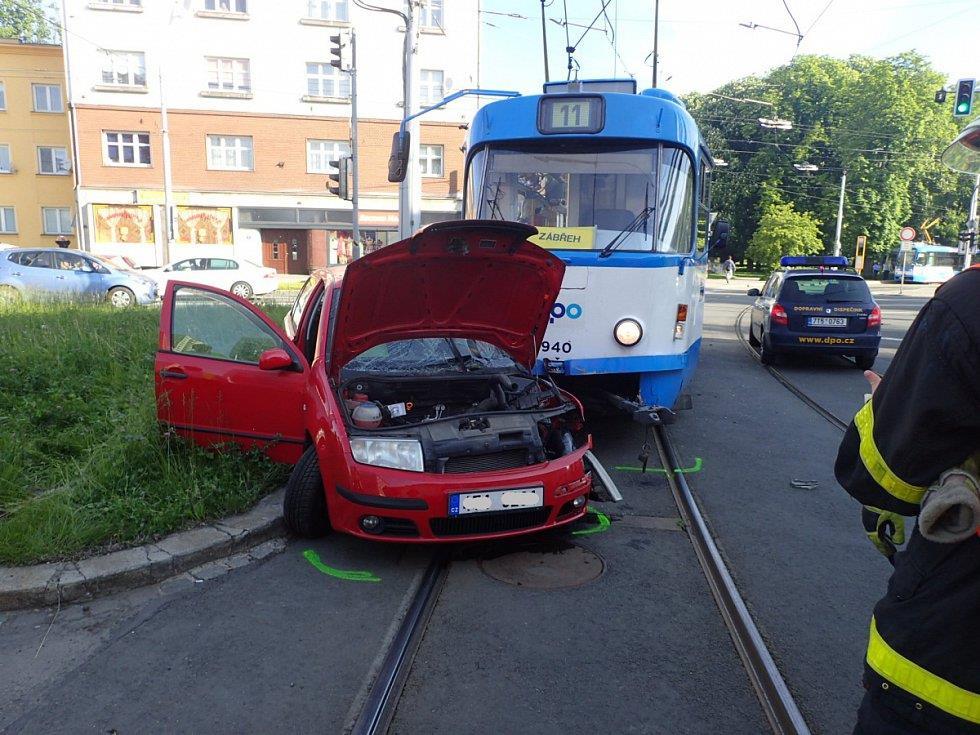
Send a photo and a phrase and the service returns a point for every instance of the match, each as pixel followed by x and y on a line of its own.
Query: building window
pixel 124 69
pixel 229 75
pixel 431 14
pixel 47 98
pixel 3 96
pixel 57 220
pixel 319 154
pixel 226 6
pixel 8 220
pixel 4 158
pixel 122 4
pixel 328 10
pixel 430 86
pixel 126 148
pixel 51 160
pixel 430 160
pixel 230 152
pixel 324 80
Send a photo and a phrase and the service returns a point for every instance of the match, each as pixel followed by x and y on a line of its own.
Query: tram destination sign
pixel 571 113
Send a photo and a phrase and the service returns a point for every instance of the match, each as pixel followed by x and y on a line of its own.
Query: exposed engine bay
pixel 467 423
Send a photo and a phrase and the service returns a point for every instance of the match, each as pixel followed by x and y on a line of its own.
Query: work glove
pixel 950 510
pixel 885 529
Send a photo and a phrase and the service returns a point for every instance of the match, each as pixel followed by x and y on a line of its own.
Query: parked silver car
pixel 61 274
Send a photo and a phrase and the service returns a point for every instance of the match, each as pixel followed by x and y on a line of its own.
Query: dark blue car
pixel 815 310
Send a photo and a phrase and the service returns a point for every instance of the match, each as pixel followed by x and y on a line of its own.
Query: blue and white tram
pixel 617 184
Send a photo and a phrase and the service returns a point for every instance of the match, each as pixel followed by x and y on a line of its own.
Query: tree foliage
pixel 783 231
pixel 873 118
pixel 26 19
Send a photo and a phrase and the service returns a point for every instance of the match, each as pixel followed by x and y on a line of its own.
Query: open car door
pixel 226 374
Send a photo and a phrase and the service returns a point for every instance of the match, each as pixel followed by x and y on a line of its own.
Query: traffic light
pixel 339 57
pixel 940 96
pixel 337 182
pixel 963 103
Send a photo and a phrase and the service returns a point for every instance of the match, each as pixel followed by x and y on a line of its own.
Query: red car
pixel 402 391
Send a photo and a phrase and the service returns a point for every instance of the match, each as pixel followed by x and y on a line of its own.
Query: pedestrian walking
pixel 876 268
pixel 729 268
pixel 914 450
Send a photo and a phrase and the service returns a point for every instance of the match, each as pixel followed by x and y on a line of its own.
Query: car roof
pixel 817 272
pixel 28 248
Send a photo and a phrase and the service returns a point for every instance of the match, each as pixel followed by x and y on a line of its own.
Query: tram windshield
pixel 648 190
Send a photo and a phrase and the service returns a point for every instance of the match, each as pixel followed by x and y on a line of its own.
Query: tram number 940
pixel 558 348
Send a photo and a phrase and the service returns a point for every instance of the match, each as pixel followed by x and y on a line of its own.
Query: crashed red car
pixel 402 391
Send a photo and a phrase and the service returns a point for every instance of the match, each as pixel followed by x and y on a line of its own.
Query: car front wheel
pixel 242 290
pixel 304 508
pixel 122 298
pixel 9 295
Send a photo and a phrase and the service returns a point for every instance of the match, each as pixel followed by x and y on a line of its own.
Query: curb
pixel 60 582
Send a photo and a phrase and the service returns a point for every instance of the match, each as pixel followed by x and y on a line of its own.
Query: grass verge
pixel 83 464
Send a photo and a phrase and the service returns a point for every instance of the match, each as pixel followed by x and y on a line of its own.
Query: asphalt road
pixel 279 645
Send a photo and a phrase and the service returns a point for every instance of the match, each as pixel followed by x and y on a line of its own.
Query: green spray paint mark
pixel 351 576
pixel 603 523
pixel 679 470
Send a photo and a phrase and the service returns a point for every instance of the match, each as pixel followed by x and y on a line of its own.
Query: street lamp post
pixel 840 213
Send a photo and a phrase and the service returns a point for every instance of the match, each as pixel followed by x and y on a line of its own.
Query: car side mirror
pixel 398 161
pixel 275 359
pixel 754 292
pixel 719 234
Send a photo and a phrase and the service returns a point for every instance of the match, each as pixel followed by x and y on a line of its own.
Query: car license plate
pixel 494 500
pixel 826 321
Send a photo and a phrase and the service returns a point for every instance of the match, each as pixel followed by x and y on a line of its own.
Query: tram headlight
pixel 628 332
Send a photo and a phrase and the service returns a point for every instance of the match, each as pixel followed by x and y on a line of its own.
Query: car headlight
pixel 628 332
pixel 384 451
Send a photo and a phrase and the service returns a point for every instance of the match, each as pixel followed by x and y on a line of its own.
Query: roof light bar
pixel 813 261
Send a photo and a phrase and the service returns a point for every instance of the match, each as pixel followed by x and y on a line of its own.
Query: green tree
pixel 783 231
pixel 26 19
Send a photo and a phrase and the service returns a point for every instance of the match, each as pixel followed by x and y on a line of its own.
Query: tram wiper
pixel 638 220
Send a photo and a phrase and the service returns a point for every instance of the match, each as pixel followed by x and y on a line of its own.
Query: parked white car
pixel 242 277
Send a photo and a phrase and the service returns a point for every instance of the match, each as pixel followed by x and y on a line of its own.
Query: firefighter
pixel 922 669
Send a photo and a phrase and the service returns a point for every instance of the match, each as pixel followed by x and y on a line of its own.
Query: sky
pixel 702 44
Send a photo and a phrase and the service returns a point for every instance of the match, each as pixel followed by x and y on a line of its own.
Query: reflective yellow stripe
pixel 920 683
pixel 875 463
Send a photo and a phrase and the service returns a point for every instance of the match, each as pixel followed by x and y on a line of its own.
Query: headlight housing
pixel 628 332
pixel 388 451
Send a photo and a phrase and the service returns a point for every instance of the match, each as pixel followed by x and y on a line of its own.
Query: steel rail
pixel 379 707
pixel 786 382
pixel 777 703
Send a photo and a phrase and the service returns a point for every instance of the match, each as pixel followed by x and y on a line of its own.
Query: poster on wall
pixel 204 225
pixel 123 223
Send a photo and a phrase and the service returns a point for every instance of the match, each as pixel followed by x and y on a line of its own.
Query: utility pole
pixel 840 213
pixel 409 196
pixel 355 158
pixel 544 42
pixel 656 34
pixel 168 185
pixel 971 224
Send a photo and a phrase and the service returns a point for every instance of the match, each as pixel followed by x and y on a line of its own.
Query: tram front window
pixel 608 190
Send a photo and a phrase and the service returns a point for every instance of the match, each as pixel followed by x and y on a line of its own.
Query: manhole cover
pixel 545 566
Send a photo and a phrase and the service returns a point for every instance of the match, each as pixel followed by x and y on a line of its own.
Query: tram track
pixel 780 377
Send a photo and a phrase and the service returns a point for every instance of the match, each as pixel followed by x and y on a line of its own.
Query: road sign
pixel 907 234
pixel 905 247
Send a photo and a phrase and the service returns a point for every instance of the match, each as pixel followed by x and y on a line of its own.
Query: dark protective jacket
pixel 923 656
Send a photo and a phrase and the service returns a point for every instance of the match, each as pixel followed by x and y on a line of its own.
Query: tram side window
pixel 676 202
pixel 704 207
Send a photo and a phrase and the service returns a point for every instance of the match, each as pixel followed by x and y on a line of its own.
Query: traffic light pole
pixel 972 222
pixel 840 213
pixel 355 158
pixel 409 196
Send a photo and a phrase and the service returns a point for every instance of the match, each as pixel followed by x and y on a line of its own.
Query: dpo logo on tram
pixel 560 310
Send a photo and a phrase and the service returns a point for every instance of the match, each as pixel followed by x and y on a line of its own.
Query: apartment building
pixel 35 160
pixel 255 113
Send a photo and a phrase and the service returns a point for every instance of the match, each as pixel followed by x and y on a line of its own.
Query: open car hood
pixel 476 279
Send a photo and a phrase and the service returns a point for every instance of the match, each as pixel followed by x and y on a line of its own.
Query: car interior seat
pixel 791 291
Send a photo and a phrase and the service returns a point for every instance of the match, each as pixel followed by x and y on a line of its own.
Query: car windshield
pixel 584 199
pixel 431 355
pixel 818 289
pixel 117 262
